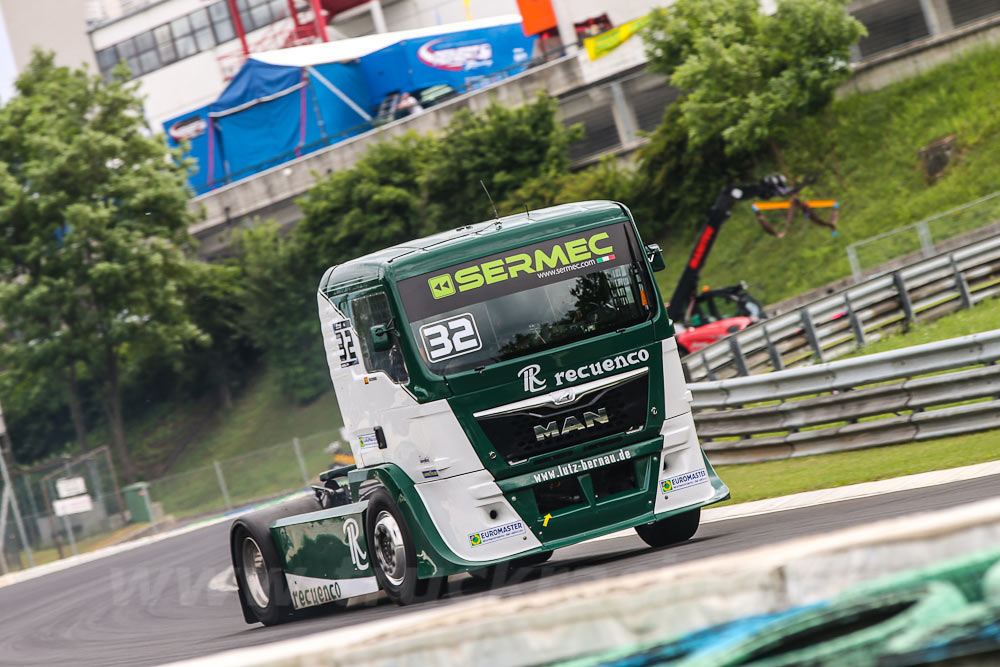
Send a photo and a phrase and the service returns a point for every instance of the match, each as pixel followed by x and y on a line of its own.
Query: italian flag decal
pixel 605 259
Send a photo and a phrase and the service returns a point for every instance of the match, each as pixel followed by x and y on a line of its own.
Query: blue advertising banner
pixel 469 58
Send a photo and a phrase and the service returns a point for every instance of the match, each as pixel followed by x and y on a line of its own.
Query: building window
pixel 165 44
pixel 258 13
pixel 202 30
pixel 222 22
pixel 145 46
pixel 188 35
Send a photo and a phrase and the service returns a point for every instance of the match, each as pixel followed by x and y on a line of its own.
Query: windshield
pixel 571 288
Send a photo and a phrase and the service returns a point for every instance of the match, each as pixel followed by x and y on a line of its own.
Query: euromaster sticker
pixel 497 534
pixel 368 441
pixel 684 481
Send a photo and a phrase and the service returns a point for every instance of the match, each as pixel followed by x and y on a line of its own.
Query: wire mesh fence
pixel 65 507
pixel 923 236
pixel 75 505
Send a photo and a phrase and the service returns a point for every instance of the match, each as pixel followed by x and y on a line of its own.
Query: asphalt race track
pixel 153 604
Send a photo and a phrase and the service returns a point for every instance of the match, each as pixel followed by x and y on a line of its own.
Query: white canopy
pixel 345 50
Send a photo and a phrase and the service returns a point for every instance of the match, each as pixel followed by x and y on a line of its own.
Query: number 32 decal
pixel 451 337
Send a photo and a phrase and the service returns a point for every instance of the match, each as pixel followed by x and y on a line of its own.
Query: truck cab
pixel 508 388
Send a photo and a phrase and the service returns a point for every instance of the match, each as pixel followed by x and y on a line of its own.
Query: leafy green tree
pixel 377 203
pixel 503 147
pixel 747 76
pixel 94 218
pixel 278 294
pixel 678 181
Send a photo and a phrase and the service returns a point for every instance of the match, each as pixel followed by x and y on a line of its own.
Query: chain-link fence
pixel 65 507
pixel 923 236
pixel 230 483
pixel 75 505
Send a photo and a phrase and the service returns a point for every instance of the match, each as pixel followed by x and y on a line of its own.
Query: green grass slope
pixel 864 150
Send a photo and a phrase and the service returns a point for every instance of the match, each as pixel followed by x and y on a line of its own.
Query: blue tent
pixel 286 103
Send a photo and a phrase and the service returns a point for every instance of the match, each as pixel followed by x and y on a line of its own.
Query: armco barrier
pixel 917 393
pixel 838 324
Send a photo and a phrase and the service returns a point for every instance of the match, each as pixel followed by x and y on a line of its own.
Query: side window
pixel 368 311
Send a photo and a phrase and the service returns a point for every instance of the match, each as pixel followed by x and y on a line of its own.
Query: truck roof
pixel 429 253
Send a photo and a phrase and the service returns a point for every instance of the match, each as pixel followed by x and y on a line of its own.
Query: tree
pixel 747 76
pixel 503 147
pixel 278 294
pixel 94 217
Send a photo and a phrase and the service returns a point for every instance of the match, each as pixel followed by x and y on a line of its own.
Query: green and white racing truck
pixel 509 388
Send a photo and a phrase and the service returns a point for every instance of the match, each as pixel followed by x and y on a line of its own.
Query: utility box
pixel 137 502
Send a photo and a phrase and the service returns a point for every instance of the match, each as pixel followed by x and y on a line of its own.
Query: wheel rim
pixel 389 548
pixel 255 573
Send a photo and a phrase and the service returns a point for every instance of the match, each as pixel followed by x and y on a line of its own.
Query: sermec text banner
pixel 517 270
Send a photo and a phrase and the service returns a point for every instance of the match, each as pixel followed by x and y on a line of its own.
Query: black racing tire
pixel 393 555
pixel 259 576
pixel 673 529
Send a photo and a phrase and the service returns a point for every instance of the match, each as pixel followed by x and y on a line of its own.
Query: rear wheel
pixel 394 557
pixel 260 577
pixel 673 529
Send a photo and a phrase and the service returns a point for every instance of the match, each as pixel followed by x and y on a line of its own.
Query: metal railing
pixel 916 393
pixel 841 323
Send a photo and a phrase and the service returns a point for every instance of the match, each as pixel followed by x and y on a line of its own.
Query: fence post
pixel 904 299
pixel 961 284
pixel 709 375
pixel 66 522
pixel 810 330
pixel 772 351
pixel 738 358
pixel 222 485
pixel 926 241
pixel 5 476
pixel 302 463
pixel 852 258
pixel 149 509
pixel 856 327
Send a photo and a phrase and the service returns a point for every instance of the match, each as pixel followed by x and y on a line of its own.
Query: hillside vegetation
pixel 864 152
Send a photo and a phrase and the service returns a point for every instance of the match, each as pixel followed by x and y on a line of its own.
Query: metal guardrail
pixel 840 323
pixel 917 393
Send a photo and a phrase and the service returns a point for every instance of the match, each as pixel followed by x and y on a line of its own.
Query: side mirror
pixel 380 338
pixel 655 256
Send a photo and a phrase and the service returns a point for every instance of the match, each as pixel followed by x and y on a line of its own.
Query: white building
pixel 52 25
pixel 184 51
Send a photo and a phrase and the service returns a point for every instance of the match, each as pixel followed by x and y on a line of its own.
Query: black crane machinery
pixel 776 185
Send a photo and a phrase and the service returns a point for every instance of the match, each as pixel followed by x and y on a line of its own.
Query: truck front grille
pixel 569 417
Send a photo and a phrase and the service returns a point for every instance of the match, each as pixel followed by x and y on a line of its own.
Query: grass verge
pixel 984 316
pixel 756 481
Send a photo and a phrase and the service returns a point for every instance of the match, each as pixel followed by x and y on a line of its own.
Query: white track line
pixel 824 496
pixel 794 501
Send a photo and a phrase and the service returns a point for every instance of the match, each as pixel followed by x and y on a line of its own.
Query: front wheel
pixel 673 529
pixel 394 557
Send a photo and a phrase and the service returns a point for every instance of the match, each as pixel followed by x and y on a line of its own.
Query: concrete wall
pixel 912 59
